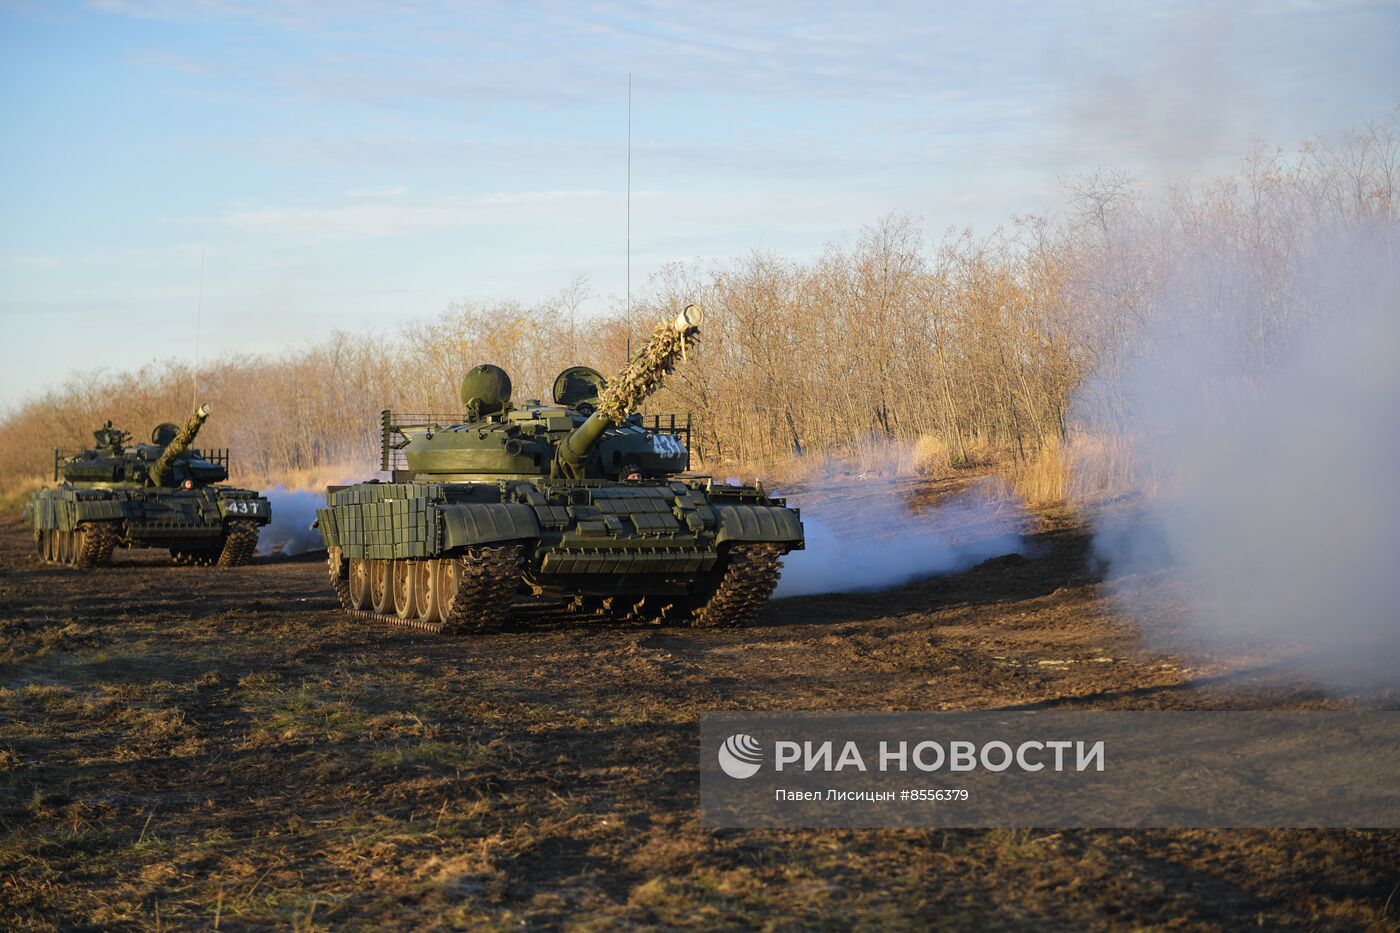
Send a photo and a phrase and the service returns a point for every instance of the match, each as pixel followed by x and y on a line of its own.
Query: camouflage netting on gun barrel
pixel 178 445
pixel 646 371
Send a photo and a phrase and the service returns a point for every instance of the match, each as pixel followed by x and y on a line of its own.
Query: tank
pixel 164 494
pixel 580 510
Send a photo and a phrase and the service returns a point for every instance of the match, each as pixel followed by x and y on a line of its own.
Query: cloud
pixel 161 59
pixel 383 53
pixel 387 214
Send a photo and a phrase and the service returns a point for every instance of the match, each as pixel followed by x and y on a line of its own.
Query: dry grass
pixel 1107 467
pixel 15 492
pixel 1043 479
pixel 228 745
pixel 316 478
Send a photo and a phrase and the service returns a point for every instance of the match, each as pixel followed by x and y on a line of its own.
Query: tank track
pixel 483 599
pixel 739 590
pixel 186 558
pixel 748 581
pixel 239 543
pixel 340 582
pixel 98 540
pixel 489 578
pixel 88 546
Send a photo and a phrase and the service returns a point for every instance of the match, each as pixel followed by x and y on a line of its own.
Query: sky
pixel 265 172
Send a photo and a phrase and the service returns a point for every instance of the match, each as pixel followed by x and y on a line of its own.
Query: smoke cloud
pixel 871 537
pixel 290 530
pixel 1263 412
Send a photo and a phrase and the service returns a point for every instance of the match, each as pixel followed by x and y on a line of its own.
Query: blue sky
pixel 359 164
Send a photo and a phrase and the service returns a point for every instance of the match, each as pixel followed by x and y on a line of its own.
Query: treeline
pixel 996 347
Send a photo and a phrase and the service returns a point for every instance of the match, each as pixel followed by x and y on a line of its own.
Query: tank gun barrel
pixel 642 376
pixel 179 445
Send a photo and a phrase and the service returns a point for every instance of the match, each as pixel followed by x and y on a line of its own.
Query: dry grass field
pixel 220 748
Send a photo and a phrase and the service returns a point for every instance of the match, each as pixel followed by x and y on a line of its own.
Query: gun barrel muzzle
pixel 689 319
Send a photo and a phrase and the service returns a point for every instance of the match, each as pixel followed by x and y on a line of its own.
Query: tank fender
pixel 97 510
pixel 472 523
pixel 63 510
pixel 758 523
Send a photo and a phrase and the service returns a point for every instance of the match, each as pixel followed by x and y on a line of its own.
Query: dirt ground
pixel 199 747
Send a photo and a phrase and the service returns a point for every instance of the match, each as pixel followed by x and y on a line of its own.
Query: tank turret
pixel 641 377
pixel 590 431
pixel 160 470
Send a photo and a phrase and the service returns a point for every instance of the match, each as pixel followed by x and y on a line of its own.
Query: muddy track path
pixel 179 744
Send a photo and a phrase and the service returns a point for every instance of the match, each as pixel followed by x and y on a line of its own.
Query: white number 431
pixel 243 506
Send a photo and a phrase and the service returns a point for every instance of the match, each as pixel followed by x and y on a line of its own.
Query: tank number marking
pixel 667 445
pixel 243 506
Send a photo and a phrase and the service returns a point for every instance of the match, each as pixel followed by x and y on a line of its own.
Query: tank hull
pixel 640 549
pixel 196 525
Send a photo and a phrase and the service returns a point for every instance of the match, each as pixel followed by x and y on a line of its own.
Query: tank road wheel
pixel 240 540
pixel 359 583
pixel 381 587
pixel 449 582
pixel 91 544
pixel 746 581
pixel 428 593
pixel 405 596
pixel 475 590
pixel 337 568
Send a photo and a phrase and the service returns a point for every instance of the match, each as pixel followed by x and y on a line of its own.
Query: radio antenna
pixel 629 216
pixel 198 314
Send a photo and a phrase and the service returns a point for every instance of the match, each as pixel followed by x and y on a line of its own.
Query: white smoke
pixel 290 530
pixel 870 537
pixel 1265 412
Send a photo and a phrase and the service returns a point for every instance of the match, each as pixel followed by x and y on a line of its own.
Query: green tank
pixel 579 509
pixel 158 495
